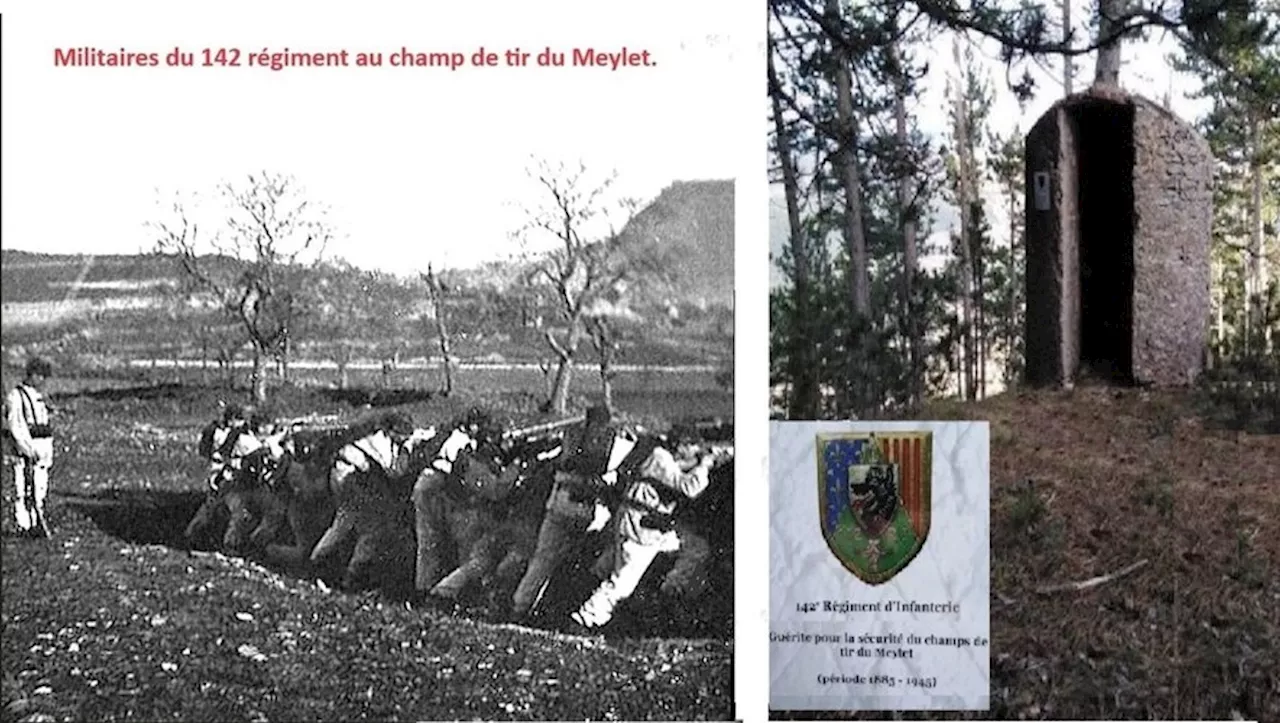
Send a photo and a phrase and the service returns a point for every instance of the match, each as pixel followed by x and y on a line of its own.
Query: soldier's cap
pixel 398 422
pixel 39 366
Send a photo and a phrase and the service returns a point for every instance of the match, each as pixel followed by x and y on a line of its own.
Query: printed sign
pixel 1042 187
pixel 884 604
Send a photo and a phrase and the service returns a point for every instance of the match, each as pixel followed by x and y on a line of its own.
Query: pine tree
pixel 971 99
pixel 1243 129
pixel 1008 264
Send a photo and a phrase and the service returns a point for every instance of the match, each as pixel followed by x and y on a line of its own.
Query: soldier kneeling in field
pixel 573 507
pixel 237 444
pixel 242 431
pixel 224 441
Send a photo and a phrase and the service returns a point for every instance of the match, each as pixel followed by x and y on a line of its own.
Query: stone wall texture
pixel 1172 215
pixel 1173 200
pixel 1045 256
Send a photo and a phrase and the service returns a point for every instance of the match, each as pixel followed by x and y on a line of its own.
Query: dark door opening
pixel 1104 158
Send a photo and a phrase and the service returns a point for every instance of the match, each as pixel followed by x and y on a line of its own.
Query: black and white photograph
pixel 370 368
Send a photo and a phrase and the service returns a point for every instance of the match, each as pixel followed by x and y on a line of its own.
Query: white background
pixel 418 165
pixel 415 156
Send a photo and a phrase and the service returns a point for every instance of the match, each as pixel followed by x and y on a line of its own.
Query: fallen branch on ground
pixel 1091 582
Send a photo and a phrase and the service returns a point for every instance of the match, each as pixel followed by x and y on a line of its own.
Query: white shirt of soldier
pixel 637 545
pixel 25 407
pixel 244 443
pixel 376 449
pixel 660 468
pixel 457 441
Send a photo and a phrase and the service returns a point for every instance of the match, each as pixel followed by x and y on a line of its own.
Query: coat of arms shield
pixel 875 496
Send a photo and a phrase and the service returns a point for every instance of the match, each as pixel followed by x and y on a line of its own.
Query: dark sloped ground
pixel 99 629
pixel 1086 483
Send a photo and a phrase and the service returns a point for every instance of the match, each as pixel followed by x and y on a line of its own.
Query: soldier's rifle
pixel 527 432
pixel 32 502
pixel 317 422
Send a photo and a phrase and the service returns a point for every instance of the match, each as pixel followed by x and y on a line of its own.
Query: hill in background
pixel 695 220
pixel 125 307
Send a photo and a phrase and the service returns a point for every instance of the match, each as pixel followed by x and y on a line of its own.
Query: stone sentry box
pixel 1119 209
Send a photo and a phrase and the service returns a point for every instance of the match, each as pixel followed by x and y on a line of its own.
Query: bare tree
pixel 225 341
pixel 1068 65
pixel 611 323
pixel 436 292
pixel 265 236
pixel 342 311
pixel 604 338
pixel 585 264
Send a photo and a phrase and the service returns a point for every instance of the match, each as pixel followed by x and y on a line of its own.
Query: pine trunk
pixel 915 385
pixel 803 403
pixel 967 196
pixel 858 376
pixel 1107 71
pixel 1067 69
pixel 1011 326
pixel 855 239
pixel 1257 248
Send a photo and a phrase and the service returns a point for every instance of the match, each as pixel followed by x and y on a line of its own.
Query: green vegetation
pixel 873 319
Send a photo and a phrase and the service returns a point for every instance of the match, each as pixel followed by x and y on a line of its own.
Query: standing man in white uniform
pixel 28 447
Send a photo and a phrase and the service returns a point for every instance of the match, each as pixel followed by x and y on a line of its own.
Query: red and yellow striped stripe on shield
pixel 913 453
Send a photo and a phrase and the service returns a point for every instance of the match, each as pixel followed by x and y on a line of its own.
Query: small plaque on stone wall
pixel 1041 184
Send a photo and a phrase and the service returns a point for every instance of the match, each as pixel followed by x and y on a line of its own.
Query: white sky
pixel 1144 70
pixel 417 164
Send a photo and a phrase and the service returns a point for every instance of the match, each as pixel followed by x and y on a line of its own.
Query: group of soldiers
pixel 633 482
pixel 606 478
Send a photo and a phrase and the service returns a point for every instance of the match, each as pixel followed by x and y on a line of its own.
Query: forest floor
pixel 1088 483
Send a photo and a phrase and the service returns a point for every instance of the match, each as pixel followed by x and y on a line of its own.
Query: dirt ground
pixel 110 620
pixel 1087 483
